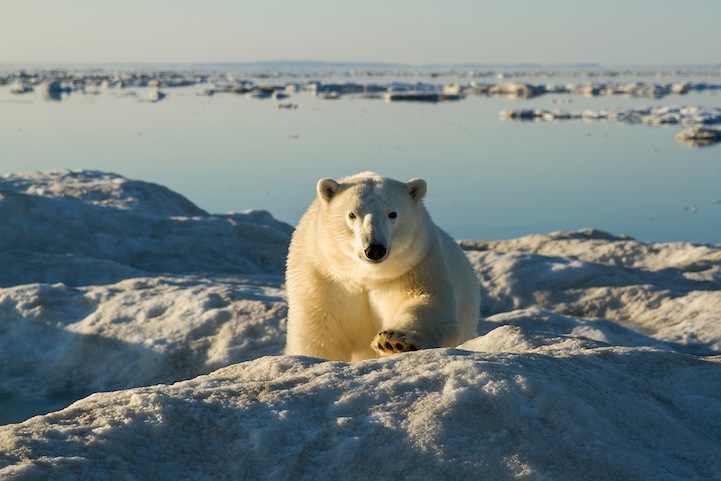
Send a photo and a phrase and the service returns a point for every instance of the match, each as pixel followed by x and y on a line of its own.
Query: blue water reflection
pixel 488 179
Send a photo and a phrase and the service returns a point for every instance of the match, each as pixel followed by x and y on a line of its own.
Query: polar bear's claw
pixel 392 342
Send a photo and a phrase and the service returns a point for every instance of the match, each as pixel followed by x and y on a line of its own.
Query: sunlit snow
pixel 597 356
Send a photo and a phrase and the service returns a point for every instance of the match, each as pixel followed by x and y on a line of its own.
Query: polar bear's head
pixel 369 217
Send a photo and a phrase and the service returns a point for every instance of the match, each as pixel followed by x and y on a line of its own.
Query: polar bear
pixel 369 274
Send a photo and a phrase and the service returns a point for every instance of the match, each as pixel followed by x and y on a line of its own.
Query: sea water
pixel 487 178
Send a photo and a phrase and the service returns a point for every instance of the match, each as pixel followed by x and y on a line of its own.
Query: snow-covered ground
pixel 109 283
pixel 598 356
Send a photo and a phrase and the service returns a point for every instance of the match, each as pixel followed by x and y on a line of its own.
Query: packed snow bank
pixel 655 294
pixel 110 283
pixel 598 356
pixel 102 189
pixel 58 339
pixel 84 228
pixel 551 408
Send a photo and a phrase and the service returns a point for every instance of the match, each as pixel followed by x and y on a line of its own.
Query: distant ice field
pixel 488 178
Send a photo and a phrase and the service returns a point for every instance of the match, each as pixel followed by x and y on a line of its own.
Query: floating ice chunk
pixel 647 115
pixel 700 136
pixel 657 115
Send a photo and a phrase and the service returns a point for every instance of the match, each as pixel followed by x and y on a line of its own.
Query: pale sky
pixel 609 32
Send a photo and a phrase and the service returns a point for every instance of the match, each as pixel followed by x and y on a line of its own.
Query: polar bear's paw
pixel 393 342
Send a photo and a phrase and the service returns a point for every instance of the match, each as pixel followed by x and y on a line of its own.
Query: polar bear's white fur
pixel 370 274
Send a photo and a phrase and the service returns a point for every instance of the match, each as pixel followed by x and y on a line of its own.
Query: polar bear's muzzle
pixel 376 252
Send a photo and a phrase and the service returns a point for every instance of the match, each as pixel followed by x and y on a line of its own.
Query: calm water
pixel 488 179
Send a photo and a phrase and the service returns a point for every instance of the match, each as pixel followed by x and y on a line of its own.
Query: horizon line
pixel 362 64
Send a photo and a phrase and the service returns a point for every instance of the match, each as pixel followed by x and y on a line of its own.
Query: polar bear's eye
pixel 351 215
pixel 392 215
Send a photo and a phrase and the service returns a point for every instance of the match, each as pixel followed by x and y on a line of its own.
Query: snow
pixel 119 283
pixel 62 224
pixel 598 356
pixel 543 409
pixel 667 292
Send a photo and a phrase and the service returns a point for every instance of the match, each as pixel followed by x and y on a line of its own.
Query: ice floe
pixel 666 115
pixel 334 81
pixel 700 136
pixel 598 356
pixel 645 115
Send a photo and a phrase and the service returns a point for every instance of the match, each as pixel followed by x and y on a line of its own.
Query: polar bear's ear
pixel 327 189
pixel 417 188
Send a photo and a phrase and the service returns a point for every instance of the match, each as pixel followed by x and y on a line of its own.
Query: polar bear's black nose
pixel 375 252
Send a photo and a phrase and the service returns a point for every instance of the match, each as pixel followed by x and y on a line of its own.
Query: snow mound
pixel 599 357
pixel 654 294
pixel 58 339
pixel 591 412
pixel 103 189
pixel 86 227
pixel 105 285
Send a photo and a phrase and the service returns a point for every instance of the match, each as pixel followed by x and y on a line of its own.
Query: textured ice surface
pixel 597 356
